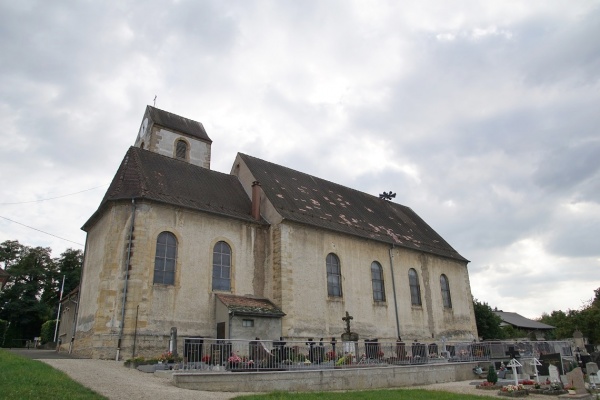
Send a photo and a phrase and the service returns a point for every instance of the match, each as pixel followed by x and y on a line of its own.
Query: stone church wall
pixel 311 313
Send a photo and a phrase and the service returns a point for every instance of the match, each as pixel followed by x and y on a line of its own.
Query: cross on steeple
pixel 347 319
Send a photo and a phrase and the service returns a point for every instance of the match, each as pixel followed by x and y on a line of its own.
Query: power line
pixel 52 198
pixel 39 230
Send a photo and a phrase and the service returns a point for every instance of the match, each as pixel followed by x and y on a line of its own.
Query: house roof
pixel 246 305
pixel 314 201
pixel 151 176
pixel 177 123
pixel 519 321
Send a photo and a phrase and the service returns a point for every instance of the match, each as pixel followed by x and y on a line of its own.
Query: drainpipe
pixel 256 200
pixel 78 297
pixel 394 289
pixel 126 278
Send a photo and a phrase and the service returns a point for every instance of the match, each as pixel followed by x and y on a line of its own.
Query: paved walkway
pixel 113 380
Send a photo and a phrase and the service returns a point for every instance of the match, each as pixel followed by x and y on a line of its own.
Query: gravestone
pixel 553 373
pixel 592 371
pixel 575 378
pixel 550 359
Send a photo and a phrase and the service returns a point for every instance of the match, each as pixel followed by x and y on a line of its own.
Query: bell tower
pixel 173 136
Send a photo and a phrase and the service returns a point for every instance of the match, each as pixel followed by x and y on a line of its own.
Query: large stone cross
pixel 347 319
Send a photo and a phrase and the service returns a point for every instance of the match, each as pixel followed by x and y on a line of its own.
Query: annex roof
pixel 519 321
pixel 246 305
pixel 314 201
pixel 147 175
pixel 177 123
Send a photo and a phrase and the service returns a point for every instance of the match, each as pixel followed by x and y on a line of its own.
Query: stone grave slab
pixel 592 371
pixel 553 373
pixel 575 378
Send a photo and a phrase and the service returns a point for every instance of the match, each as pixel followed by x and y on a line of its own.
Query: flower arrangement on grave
pixel 487 386
pixel 206 359
pixel 527 382
pixel 345 360
pixel 513 391
pixel 330 356
pixel 168 357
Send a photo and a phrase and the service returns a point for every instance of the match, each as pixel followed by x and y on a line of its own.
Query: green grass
pixel 22 378
pixel 397 394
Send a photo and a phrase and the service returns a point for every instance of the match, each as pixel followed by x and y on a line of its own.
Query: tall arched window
pixel 334 276
pixel 221 278
pixel 165 258
pixel 415 288
pixel 181 150
pixel 446 299
pixel 377 281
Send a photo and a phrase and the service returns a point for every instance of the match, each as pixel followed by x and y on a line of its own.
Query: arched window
pixel 415 288
pixel 221 278
pixel 446 299
pixel 334 276
pixel 165 259
pixel 377 281
pixel 181 150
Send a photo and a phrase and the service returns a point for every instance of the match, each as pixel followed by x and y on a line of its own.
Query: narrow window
pixel 247 323
pixel 181 150
pixel 447 300
pixel 165 259
pixel 415 289
pixel 377 281
pixel 334 276
pixel 221 279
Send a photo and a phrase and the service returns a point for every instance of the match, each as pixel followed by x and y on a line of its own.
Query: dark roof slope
pixel 147 175
pixel 520 321
pixel 309 200
pixel 242 305
pixel 177 123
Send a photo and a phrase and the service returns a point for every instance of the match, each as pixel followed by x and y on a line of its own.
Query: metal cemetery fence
pixel 203 354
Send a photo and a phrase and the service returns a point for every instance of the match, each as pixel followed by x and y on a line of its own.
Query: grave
pixel 349 338
pixel 592 371
pixel 554 376
pixel 575 380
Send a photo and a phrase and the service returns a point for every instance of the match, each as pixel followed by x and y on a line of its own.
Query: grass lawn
pixel 22 378
pixel 398 394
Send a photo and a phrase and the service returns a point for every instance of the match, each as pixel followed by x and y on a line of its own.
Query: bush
pixel 47 333
pixel 492 376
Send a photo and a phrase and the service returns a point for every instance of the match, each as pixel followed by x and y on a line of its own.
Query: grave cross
pixel 512 353
pixel 535 362
pixel 514 364
pixel 347 319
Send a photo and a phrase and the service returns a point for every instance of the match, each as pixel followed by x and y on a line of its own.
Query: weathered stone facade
pixel 275 256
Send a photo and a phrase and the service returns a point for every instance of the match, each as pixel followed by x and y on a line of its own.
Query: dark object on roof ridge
pixel 306 199
pixel 145 175
pixel 177 123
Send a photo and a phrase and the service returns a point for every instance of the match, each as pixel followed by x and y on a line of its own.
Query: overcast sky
pixel 483 116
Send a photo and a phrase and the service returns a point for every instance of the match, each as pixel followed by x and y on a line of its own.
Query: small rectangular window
pixel 247 323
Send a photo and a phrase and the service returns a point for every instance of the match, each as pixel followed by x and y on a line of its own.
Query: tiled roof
pixel 242 305
pixel 177 123
pixel 313 201
pixel 520 321
pixel 151 176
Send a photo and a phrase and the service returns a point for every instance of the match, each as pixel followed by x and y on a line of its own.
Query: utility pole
pixel 59 304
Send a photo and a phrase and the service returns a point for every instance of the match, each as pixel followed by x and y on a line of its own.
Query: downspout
pixel 394 289
pixel 231 315
pixel 78 297
pixel 126 278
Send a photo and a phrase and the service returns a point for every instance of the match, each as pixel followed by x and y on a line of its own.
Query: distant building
pixel 265 251
pixel 525 324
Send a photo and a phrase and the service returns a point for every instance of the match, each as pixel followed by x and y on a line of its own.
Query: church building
pixel 264 251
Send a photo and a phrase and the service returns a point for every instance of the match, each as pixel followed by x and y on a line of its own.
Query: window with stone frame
pixel 377 281
pixel 165 259
pixel 181 150
pixel 415 288
pixel 221 276
pixel 445 286
pixel 334 276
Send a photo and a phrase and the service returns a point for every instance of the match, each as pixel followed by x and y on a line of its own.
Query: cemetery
pixel 511 368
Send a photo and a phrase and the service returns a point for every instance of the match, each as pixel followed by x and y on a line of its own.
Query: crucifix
pixel 347 319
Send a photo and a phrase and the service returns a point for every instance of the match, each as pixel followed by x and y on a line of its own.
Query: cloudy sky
pixel 483 116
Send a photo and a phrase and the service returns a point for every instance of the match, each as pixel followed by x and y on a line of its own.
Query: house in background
pixel 525 324
pixel 264 251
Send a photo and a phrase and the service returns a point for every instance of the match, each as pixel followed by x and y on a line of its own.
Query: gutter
pixel 126 278
pixel 394 290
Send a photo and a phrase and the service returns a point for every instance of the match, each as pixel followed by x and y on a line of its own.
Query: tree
pixel 488 323
pixel 20 301
pixel 492 376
